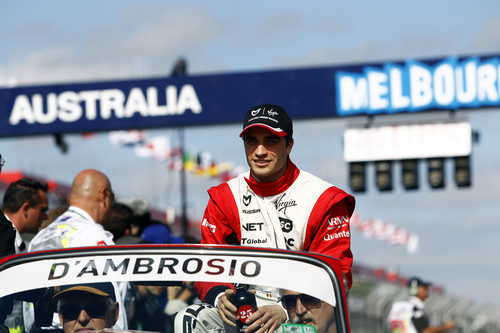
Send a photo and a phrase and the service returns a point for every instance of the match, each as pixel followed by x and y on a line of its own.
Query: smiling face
pixel 83 312
pixel 266 154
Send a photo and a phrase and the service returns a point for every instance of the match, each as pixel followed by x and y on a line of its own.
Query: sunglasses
pixel 95 309
pixel 111 194
pixel 290 301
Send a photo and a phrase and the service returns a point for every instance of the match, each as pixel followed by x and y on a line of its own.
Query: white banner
pixel 407 142
pixel 272 271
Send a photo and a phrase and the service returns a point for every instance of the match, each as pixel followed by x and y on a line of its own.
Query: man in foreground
pixel 275 205
pixel 308 310
pixel 87 307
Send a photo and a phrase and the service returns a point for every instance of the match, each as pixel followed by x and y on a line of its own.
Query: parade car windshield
pixel 160 288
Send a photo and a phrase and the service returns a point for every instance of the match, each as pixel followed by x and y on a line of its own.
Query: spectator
pixel 53 214
pixel 142 216
pixel 90 202
pixel 7 230
pixel 158 233
pixel 7 247
pixel 87 307
pixel 91 199
pixel 146 312
pixel 178 297
pixel 120 224
pixel 25 205
pixel 410 316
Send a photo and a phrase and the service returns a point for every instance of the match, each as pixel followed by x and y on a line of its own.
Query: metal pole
pixel 183 186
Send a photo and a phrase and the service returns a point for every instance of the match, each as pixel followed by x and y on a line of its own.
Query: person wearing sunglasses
pixel 309 310
pixel 87 307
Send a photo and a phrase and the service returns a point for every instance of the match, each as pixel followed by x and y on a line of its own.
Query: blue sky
pixel 61 41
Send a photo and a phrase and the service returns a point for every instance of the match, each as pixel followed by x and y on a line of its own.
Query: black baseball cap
pixel 269 116
pixel 99 289
pixel 417 282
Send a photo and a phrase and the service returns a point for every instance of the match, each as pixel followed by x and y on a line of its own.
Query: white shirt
pixel 18 241
pixel 73 228
pixel 401 314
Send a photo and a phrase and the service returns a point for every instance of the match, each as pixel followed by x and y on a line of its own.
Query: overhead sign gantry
pixel 322 92
pixel 389 88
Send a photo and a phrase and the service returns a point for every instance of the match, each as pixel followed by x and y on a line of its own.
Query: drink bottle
pixel 245 304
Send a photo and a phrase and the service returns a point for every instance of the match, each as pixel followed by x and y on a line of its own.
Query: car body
pixel 29 276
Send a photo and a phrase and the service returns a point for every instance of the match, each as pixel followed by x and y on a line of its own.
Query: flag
pixel 157 147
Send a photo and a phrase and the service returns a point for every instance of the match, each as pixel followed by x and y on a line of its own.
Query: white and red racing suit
pixel 298 212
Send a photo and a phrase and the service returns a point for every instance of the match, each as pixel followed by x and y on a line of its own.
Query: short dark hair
pixel 119 221
pixel 21 191
pixel 288 138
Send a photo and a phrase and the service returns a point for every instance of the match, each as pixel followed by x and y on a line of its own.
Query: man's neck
pixel 93 213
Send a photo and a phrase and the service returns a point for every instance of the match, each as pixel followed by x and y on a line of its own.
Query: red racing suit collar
pixel 268 189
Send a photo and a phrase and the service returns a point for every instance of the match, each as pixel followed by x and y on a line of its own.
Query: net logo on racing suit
pixel 253 226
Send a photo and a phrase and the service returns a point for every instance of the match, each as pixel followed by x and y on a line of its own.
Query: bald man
pixel 90 202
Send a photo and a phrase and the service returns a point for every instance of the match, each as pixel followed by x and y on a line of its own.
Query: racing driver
pixel 274 205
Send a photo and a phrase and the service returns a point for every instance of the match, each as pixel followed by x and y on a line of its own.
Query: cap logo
pixel 272 113
pixel 255 112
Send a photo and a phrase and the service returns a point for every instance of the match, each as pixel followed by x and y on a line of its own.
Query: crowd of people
pixel 288 208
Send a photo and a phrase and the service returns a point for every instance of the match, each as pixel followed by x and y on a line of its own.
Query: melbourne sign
pixel 415 86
